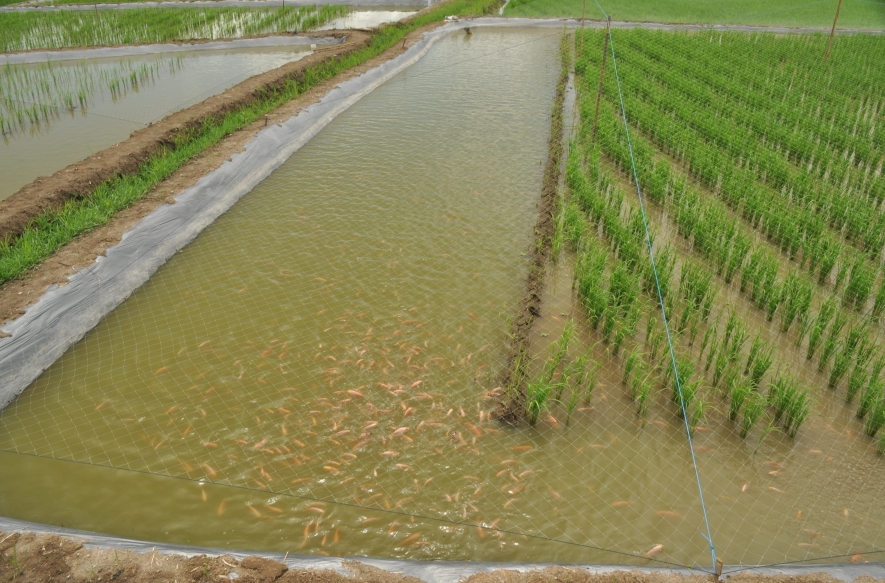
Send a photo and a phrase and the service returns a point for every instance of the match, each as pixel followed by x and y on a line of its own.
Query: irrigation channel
pixel 317 367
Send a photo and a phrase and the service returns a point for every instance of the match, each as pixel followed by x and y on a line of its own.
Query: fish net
pixel 322 368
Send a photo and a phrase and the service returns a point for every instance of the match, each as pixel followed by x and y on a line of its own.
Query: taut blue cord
pixel 654 268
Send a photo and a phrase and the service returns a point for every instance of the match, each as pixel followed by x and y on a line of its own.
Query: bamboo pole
pixel 832 32
pixel 601 75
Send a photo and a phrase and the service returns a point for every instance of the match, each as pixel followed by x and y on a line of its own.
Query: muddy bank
pixel 79 179
pixel 512 405
pixel 52 558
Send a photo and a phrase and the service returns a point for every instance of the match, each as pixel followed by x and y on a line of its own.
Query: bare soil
pixel 30 557
pixel 78 180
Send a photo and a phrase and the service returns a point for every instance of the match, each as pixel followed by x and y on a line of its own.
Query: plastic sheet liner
pixel 304 42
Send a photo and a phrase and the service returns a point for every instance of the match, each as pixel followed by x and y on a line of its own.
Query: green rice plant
pixel 832 343
pixel 697 414
pixel 791 404
pixel 537 396
pixel 875 418
pixel 573 224
pixel 858 378
pixel 860 283
pixel 797 294
pixel 709 337
pixel 738 395
pixel 761 364
pixel 753 411
pixel 873 391
pixel 630 364
pixel 611 314
pixel 685 370
pixel 643 392
pixel 694 328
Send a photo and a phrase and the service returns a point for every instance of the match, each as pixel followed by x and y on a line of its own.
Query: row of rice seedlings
pixel 736 92
pixel 33 96
pixel 714 125
pixel 21 31
pixel 698 296
pixel 793 298
pixel 747 402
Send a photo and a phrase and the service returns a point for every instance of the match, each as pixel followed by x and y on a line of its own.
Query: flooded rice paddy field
pixel 370 18
pixel 113 103
pixel 316 368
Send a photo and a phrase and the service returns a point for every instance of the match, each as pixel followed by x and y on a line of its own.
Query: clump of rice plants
pixel 538 391
pixel 753 411
pixel 759 359
pixel 791 404
pixel 824 315
pixel 873 392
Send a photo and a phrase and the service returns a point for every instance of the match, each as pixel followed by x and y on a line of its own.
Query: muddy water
pixel 107 119
pixel 368 18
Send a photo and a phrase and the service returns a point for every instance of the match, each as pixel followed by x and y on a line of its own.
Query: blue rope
pixel 600 8
pixel 709 535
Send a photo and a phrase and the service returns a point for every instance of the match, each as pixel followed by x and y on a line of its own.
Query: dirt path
pixel 78 179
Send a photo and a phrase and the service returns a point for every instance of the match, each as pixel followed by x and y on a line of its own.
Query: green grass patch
pixel 869 14
pixel 53 229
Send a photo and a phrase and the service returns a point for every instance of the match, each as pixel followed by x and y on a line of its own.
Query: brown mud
pixel 52 558
pixel 78 180
pixel 510 408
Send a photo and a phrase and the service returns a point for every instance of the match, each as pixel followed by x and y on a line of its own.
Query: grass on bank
pixel 868 14
pixel 53 229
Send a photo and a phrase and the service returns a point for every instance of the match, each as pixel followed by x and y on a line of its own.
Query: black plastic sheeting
pixel 270 42
pixel 429 571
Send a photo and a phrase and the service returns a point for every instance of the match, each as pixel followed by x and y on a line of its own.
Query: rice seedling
pixel 643 391
pixel 797 300
pixel 860 283
pixel 709 338
pixel 630 365
pixel 738 393
pixel 791 404
pixel 827 310
pixel 875 418
pixel 873 391
pixel 832 343
pixel 761 363
pixel 753 411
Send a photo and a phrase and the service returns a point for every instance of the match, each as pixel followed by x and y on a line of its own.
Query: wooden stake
pixel 601 75
pixel 832 32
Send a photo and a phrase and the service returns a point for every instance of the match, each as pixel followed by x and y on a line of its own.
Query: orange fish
pixel 669 514
pixel 621 504
pixel 654 550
